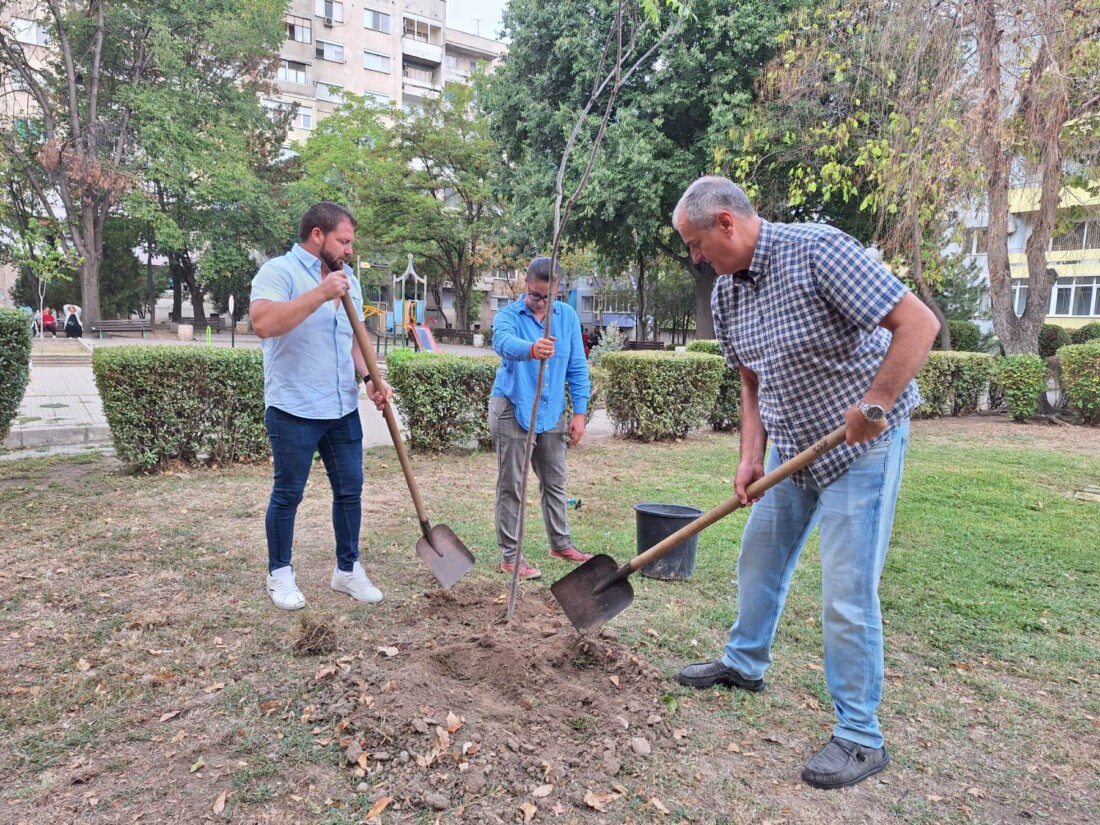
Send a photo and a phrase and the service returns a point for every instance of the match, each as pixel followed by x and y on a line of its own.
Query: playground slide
pixel 422 337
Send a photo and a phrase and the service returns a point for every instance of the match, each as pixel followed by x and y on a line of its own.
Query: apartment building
pixel 397 52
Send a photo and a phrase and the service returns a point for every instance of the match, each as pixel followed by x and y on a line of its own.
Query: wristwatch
pixel 872 412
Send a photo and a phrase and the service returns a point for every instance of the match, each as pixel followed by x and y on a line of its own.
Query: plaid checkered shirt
pixel 804 318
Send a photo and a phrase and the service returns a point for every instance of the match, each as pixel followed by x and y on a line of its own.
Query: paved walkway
pixel 61 409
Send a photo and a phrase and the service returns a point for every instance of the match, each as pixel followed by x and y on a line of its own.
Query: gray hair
pixel 708 196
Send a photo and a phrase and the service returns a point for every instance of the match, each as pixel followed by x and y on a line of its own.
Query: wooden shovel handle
pixel 754 490
pixel 367 349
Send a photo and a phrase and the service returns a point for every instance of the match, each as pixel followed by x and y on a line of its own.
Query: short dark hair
pixel 325 216
pixel 539 269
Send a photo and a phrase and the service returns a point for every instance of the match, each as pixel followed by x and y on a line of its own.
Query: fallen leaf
pixel 363 760
pixel 933 798
pixel 323 672
pixel 529 811
pixel 542 791
pixel 614 680
pixel 813 666
pixel 471 748
pixel 219 803
pixel 388 652
pixel 379 806
pixel 558 809
pixel 977 793
pixel 82 664
pixel 599 800
pixel 442 739
pixel 656 803
pixel 733 747
pixel 269 707
pixel 454 722
pixel 200 763
pixel 679 733
pixel 653 633
pixel 214 688
pixel 172 714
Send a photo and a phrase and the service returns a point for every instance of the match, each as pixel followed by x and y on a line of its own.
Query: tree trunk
pixel 92 254
pixel 704 285
pixel 177 294
pixel 640 331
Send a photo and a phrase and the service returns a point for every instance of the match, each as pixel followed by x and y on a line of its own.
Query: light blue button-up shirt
pixel 515 329
pixel 309 371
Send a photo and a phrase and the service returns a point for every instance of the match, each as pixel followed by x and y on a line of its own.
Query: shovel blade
pixel 445 554
pixel 577 593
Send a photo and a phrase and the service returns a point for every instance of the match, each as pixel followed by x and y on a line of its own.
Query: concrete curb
pixel 28 438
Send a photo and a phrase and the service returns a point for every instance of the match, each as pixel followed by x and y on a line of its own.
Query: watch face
pixel 872 412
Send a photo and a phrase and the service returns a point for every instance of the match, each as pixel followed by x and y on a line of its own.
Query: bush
pixel 653 395
pixel 726 414
pixel 953 382
pixel 1081 379
pixel 1021 379
pixel 611 340
pixel 1051 339
pixel 965 337
pixel 1089 332
pixel 182 403
pixel 15 359
pixel 444 399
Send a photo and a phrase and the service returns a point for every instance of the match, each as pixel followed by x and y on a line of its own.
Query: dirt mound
pixel 470 711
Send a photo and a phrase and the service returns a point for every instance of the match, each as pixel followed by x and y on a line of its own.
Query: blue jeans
pixel 856 517
pixel 294 440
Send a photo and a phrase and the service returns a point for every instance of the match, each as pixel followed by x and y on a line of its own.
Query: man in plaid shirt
pixel 821 335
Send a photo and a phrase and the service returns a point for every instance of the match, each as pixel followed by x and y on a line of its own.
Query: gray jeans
pixel 548 462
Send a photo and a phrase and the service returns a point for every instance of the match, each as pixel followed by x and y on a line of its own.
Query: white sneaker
pixel 283 590
pixel 356 584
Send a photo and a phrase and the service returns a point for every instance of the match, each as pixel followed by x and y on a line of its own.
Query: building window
pixel 326 50
pixel 30 31
pixel 1076 297
pixel 329 9
pixel 422 31
pixel 291 71
pixel 501 301
pixel 1019 297
pixel 473 66
pixel 330 92
pixel 1071 240
pixel 588 303
pixel 378 98
pixel 303 118
pixel 452 62
pixel 376 62
pixel 418 72
pixel 376 20
pixel 299 29
pixel 977 241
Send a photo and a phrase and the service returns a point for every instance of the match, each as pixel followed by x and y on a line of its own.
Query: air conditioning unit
pixel 328 22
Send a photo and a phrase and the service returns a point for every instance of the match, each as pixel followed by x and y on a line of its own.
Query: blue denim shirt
pixel 515 329
pixel 309 371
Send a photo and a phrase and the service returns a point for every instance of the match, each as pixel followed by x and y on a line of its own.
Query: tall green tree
pixel 665 123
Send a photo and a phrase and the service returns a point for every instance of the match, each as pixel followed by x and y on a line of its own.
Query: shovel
pixel 439 548
pixel 598 590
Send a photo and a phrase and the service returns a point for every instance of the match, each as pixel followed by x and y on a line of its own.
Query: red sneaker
pixel 571 554
pixel 526 571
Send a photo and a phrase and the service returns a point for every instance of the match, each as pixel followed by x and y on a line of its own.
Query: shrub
pixel 965 336
pixel 953 382
pixel 1089 332
pixel 169 403
pixel 610 341
pixel 1051 339
pixel 974 371
pixel 1081 379
pixel 15 358
pixel 934 382
pixel 726 414
pixel 444 399
pixel 1021 378
pixel 653 395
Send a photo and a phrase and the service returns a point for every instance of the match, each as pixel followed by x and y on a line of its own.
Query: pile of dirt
pixel 497 718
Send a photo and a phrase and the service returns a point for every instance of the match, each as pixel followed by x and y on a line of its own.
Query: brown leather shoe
pixel 526 571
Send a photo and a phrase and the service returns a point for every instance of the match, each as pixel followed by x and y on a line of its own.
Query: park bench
pixel 454 336
pixel 657 345
pixel 141 325
pixel 215 322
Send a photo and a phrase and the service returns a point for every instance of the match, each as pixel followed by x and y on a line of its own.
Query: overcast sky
pixel 465 14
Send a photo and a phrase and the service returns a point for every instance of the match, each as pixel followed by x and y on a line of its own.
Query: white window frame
pixel 288 75
pixel 30 32
pixel 324 91
pixel 329 9
pixel 1067 288
pixel 322 51
pixel 372 16
pixel 303 117
pixel 381 98
pixel 452 62
pixel 385 62
pixel 421 30
pixel 296 25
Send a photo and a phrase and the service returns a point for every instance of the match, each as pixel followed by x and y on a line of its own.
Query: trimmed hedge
pixel 1051 339
pixel 15 359
pixel 1081 379
pixel 726 414
pixel 654 395
pixel 182 403
pixel 953 382
pixel 965 337
pixel 444 399
pixel 1021 379
pixel 1089 332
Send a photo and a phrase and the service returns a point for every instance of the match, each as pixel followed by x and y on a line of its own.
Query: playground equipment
pixel 407 317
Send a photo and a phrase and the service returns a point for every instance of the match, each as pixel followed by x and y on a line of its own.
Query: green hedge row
pixel 1021 379
pixel 726 414
pixel 654 395
pixel 15 359
pixel 182 403
pixel 953 382
pixel 965 337
pixel 1081 379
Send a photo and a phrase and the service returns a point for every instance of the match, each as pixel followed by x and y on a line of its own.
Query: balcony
pixel 421 50
pixel 419 77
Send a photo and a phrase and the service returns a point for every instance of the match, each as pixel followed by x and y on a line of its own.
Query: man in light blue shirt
pixel 518 339
pixel 310 395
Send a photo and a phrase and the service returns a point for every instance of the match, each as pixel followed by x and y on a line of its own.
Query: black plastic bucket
pixel 657 522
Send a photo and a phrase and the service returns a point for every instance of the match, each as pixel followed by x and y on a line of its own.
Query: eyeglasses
pixel 537 298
